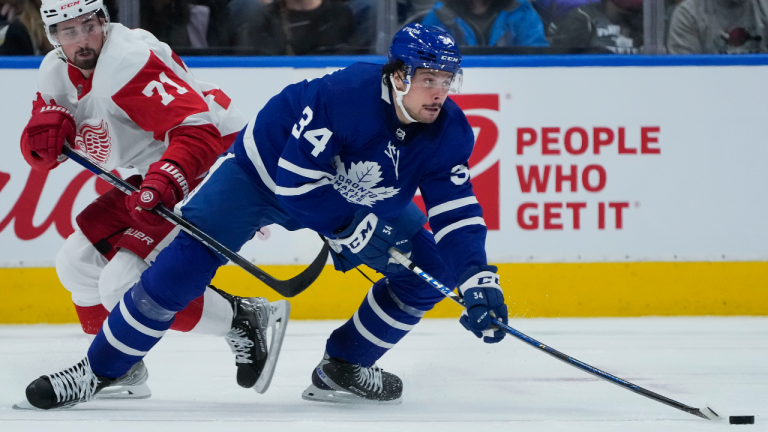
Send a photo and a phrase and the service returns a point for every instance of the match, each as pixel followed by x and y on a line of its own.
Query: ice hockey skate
pixel 336 381
pixel 257 333
pixel 64 389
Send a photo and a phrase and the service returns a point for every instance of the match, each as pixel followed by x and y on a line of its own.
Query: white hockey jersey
pixel 141 104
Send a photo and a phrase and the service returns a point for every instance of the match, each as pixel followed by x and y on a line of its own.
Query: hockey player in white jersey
pixel 342 155
pixel 128 101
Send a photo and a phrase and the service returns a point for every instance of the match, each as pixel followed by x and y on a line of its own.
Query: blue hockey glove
pixel 370 238
pixel 483 298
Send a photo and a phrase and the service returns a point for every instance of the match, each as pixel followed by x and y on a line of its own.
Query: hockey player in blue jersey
pixel 342 155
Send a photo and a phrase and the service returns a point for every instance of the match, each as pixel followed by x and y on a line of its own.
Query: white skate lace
pixel 370 378
pixel 240 345
pixel 75 383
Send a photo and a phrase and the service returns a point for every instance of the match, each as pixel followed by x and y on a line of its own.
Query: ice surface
pixel 452 381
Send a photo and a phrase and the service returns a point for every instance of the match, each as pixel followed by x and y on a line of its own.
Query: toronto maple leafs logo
pixel 95 141
pixel 358 185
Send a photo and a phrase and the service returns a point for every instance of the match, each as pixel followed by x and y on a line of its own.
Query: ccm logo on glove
pixel 483 300
pixel 362 234
pixel 370 238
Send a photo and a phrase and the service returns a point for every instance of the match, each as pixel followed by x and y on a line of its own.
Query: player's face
pixel 81 40
pixel 429 89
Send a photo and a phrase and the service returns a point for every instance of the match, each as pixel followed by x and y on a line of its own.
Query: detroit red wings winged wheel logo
pixel 95 141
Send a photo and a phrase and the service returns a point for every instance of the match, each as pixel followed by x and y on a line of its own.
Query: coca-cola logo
pixel 95 141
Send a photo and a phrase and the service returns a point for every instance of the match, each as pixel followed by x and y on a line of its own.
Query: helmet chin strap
pixel 399 96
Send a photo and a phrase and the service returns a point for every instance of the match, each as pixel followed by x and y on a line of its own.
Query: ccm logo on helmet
pixel 450 59
pixel 69 5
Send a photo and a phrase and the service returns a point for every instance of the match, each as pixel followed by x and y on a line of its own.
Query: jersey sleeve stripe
pixel 456 225
pixel 308 173
pixel 301 190
pixel 368 335
pixel 253 155
pixel 451 205
pixel 383 315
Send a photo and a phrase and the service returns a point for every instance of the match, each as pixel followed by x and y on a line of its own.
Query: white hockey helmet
pixel 58 11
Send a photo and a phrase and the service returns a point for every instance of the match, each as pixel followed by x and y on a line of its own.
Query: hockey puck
pixel 741 419
pixel 263 233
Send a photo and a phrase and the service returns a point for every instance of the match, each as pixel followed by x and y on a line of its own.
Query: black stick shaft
pixel 287 288
pixel 547 349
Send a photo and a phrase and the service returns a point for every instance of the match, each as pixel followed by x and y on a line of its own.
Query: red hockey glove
pixel 164 184
pixel 45 134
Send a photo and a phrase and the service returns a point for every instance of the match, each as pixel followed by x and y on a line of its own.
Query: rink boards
pixel 610 186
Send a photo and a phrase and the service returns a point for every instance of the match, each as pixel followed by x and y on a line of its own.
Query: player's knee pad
pixel 118 276
pixel 79 266
pixel 181 273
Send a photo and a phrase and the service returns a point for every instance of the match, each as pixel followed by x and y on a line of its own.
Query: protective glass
pixel 439 79
pixel 76 29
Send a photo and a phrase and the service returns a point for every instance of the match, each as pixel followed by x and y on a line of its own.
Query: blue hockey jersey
pixel 331 146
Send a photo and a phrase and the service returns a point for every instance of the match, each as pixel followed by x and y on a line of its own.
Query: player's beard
pixel 86 64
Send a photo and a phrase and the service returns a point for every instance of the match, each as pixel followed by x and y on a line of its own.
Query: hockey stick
pixel 286 288
pixel 705 413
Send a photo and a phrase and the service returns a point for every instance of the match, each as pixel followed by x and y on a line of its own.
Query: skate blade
pixel 140 391
pixel 26 406
pixel 278 322
pixel 315 394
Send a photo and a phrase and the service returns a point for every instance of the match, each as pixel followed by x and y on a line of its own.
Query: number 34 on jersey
pixel 317 137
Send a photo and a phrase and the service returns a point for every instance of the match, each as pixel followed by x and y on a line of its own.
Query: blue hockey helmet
pixel 429 47
pixel 419 46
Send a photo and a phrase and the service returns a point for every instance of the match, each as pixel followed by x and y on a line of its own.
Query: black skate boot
pixel 337 381
pixel 257 333
pixel 64 389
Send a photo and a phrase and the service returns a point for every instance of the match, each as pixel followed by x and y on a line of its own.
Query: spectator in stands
pixel 555 10
pixel 614 25
pixel 23 32
pixel 240 11
pixel 719 27
pixel 489 22
pixel 300 27
pixel 181 24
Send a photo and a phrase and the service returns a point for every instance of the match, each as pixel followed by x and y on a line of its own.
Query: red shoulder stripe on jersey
pixel 157 100
pixel 219 97
pixel 82 85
